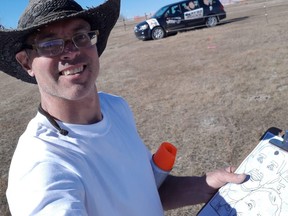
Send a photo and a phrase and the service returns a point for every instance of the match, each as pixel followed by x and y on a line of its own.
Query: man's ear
pixel 23 59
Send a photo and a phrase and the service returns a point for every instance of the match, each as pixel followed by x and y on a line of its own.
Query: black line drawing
pixel 263 194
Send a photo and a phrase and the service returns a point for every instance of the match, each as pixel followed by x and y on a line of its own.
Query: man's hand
pixel 218 178
pixel 189 190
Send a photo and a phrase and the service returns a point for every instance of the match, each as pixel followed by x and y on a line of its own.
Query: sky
pixel 11 10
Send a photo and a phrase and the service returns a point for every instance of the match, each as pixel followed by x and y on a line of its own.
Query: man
pixel 81 154
pixel 189 6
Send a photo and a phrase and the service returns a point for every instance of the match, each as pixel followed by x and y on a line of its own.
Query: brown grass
pixel 211 92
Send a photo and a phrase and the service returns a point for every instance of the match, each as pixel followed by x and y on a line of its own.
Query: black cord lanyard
pixel 52 121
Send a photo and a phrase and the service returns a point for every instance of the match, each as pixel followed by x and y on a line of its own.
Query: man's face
pixel 70 75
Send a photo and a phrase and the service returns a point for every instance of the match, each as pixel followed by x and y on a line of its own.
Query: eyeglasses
pixel 56 47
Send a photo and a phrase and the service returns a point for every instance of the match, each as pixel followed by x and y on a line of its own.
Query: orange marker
pixel 163 161
pixel 165 156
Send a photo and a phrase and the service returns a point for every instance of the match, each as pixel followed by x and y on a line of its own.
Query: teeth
pixel 72 71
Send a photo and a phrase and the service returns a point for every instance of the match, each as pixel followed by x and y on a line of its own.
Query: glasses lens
pixel 85 39
pixel 50 48
pixel 56 47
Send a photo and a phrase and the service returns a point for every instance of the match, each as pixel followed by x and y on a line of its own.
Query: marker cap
pixel 165 156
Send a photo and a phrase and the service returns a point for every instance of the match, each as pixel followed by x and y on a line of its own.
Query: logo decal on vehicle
pixel 194 14
pixel 152 23
pixel 173 20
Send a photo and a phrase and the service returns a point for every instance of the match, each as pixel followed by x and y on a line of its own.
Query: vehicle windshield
pixel 161 11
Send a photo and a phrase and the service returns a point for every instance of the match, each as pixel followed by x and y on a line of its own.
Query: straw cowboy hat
pixel 41 12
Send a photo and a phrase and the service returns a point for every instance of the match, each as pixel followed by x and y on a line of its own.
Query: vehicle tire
pixel 158 33
pixel 211 21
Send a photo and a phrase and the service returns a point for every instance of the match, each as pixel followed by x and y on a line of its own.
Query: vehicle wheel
pixel 211 21
pixel 158 33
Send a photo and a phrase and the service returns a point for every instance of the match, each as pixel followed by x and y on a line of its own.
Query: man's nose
pixel 70 50
pixel 69 45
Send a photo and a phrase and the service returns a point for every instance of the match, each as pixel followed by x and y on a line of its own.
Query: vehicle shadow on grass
pixel 237 19
pixel 224 22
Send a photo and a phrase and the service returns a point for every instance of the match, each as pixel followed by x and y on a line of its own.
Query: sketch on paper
pixel 264 193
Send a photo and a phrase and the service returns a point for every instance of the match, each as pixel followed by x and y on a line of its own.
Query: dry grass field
pixel 212 92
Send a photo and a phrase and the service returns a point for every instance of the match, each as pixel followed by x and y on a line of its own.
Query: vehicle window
pixel 160 11
pixel 191 5
pixel 210 2
pixel 175 10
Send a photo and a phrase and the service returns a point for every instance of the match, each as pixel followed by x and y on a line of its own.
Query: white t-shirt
pixel 100 169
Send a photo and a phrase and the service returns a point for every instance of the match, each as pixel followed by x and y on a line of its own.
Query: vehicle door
pixel 193 13
pixel 173 18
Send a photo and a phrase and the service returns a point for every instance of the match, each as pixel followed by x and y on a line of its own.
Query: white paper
pixel 266 191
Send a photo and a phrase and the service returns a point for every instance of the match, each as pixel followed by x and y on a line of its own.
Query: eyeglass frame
pixel 37 47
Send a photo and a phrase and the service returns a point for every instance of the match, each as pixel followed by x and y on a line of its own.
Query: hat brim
pixel 101 18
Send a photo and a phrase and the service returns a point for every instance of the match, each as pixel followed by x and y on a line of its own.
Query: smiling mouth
pixel 72 71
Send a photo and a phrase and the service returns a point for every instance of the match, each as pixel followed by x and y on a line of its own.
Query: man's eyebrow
pixel 82 27
pixel 43 35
